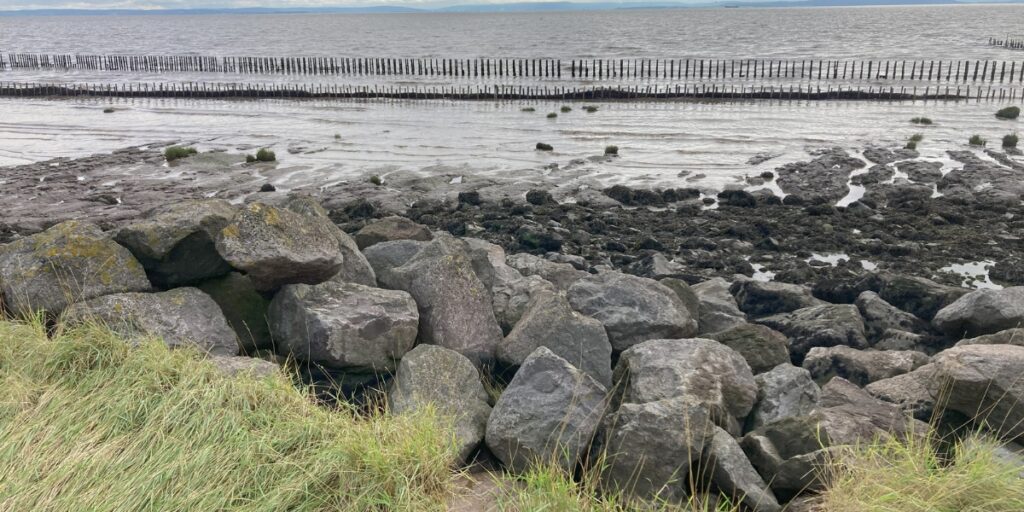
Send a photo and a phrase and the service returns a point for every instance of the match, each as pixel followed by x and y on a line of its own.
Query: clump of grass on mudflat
pixel 566 109
pixel 552 115
pixel 265 155
pixel 590 109
pixel 89 423
pixel 977 140
pixel 176 152
pixel 1011 140
pixel 921 120
pixel 375 180
pixel 914 476
pixel 527 109
pixel 1008 113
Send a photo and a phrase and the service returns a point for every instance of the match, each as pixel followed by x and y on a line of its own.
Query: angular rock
pixel 241 365
pixel 861 367
pixel 562 275
pixel 276 246
pixel 456 310
pixel 783 392
pixel 632 309
pixel 69 262
pixel 447 381
pixel 917 295
pixel 984 383
pixel 718 309
pixel 244 308
pixel 734 476
pixel 180 317
pixel 910 392
pixel 354 266
pixel 893 339
pixel 549 413
pixel 1008 337
pixel 175 243
pixel 819 326
pixel 344 325
pixel 759 298
pixel 387 256
pixel 510 290
pixel 550 322
pixel 651 446
pixel 389 229
pixel 704 371
pixel 880 316
pixel 982 312
pixel 685 294
pixel 760 346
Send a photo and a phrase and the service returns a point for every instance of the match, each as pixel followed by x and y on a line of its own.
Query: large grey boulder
pixel 562 275
pixel 760 298
pixel 909 391
pixel 734 476
pixel 244 308
pixel 982 312
pixel 983 382
pixel 917 295
pixel 387 256
pixel 632 309
pixel 510 290
pixel 389 229
pixel 1013 336
pixel 819 326
pixel 685 294
pixel 880 316
pixel 175 242
pixel 861 367
pixel 180 317
pixel 783 392
pixel 650 447
pixel 704 371
pixel 550 322
pixel 718 309
pixel 277 246
pixel 434 376
pixel 549 413
pixel 354 266
pixel 69 262
pixel 344 325
pixel 455 307
pixel 762 347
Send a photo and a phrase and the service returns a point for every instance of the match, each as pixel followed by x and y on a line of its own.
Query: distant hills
pixel 497 7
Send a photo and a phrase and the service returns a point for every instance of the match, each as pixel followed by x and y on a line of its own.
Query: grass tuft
pixel 1008 113
pixel 566 109
pixel 921 120
pixel 376 180
pixel 590 109
pixel 250 159
pixel 89 423
pixel 1011 140
pixel 265 155
pixel 527 109
pixel 976 140
pixel 611 150
pixel 543 146
pixel 108 110
pixel 177 152
pixel 552 115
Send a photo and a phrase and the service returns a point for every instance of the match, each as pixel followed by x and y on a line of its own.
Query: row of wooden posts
pixel 201 90
pixel 960 71
pixel 1010 43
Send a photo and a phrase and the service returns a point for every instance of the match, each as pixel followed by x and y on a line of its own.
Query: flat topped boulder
pixel 762 347
pixel 917 295
pixel 880 316
pixel 455 306
pixel 180 317
pixel 982 312
pixel 175 243
pixel 861 367
pixel 549 413
pixel 562 275
pixel 704 371
pixel 354 266
pixel 632 309
pixel 276 246
pixel 983 382
pixel 783 392
pixel 430 375
pixel 819 326
pixel 389 229
pixel 717 307
pixel 344 325
pixel 759 298
pixel 68 262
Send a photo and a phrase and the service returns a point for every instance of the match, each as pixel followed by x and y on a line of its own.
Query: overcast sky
pixel 188 4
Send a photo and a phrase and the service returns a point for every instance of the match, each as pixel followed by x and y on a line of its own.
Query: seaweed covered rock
pixel 760 298
pixel 549 413
pixel 68 262
pixel 344 325
pixel 429 375
pixel 277 246
pixel 917 295
pixel 180 317
pixel 880 316
pixel 819 326
pixel 632 309
pixel 175 243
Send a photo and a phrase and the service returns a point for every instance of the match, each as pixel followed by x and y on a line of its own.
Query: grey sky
pixel 186 4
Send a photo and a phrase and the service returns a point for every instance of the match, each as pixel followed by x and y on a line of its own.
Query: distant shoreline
pixel 521 7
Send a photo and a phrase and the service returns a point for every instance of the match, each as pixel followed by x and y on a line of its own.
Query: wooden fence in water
pixel 946 71
pixel 1008 42
pixel 201 90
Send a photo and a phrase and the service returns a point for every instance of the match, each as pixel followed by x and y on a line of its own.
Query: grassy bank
pixel 87 423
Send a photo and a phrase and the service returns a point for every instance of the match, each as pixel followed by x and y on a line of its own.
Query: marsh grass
pixel 177 152
pixel 552 115
pixel 977 140
pixel 590 109
pixel 527 109
pixel 566 109
pixel 89 423
pixel 917 137
pixel 1008 113
pixel 611 150
pixel 1011 140
pixel 250 159
pixel 265 155
pixel 921 120
pixel 376 180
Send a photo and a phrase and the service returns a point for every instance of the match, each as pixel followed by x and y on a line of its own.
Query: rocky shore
pixel 565 324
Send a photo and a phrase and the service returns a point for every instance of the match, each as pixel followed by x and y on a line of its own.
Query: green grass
pixel 527 109
pixel 611 150
pixel 910 145
pixel 590 109
pixel 376 180
pixel 88 423
pixel 552 115
pixel 917 137
pixel 250 159
pixel 108 110
pixel 921 120
pixel 566 109
pixel 1011 140
pixel 977 140
pixel 265 155
pixel 1008 113
pixel 918 476
pixel 177 152
pixel 542 146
